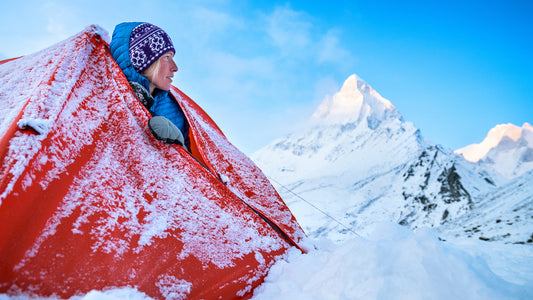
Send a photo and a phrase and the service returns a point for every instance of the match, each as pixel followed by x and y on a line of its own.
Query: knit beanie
pixel 147 44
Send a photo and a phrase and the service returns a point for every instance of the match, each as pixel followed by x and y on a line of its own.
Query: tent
pixel 89 199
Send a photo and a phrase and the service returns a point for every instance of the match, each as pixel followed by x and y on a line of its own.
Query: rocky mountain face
pixel 504 214
pixel 358 162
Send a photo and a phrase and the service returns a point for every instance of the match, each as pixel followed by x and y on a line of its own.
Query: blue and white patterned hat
pixel 148 43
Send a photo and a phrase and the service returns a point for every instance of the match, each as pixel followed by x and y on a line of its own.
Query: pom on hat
pixel 147 44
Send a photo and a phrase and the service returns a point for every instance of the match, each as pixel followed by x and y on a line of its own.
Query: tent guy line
pixel 314 206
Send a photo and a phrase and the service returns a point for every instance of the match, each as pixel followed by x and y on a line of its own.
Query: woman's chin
pixel 165 87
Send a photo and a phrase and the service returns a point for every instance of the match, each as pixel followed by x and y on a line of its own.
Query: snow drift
pixel 393 262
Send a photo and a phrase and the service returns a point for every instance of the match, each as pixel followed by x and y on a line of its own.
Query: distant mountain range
pixel 507 148
pixel 358 161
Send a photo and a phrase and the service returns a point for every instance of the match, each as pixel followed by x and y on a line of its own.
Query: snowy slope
pixel 395 263
pixel 505 214
pixel 507 148
pixel 358 162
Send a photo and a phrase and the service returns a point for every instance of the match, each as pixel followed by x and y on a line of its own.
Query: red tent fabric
pixel 90 200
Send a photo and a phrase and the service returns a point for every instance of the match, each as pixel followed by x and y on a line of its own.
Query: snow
pixel 394 263
pixel 41 126
pixel 63 62
pixel 503 215
pixel 475 152
pixel 355 101
pixel 513 156
pixel 389 262
pixel 507 148
pixel 174 288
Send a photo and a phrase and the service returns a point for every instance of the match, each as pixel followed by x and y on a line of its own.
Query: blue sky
pixel 453 68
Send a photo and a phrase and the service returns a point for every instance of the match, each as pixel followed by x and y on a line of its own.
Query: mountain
pixel 507 148
pixel 356 101
pixel 503 215
pixel 350 126
pixel 358 161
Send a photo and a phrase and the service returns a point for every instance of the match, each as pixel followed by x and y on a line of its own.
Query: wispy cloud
pixel 330 50
pixel 289 30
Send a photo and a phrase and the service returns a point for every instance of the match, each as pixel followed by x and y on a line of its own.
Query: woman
pixel 145 54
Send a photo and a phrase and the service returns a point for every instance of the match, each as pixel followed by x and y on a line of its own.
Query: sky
pixel 454 68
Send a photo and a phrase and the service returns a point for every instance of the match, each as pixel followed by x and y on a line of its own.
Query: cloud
pixel 289 30
pixel 57 16
pixel 294 34
pixel 325 86
pixel 237 79
pixel 207 26
pixel 260 69
pixel 330 50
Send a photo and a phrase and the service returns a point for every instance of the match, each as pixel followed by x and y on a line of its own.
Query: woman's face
pixel 167 68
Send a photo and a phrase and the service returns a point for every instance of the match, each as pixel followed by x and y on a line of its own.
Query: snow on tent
pixel 90 200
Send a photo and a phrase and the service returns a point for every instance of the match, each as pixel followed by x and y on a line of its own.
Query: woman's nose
pixel 173 67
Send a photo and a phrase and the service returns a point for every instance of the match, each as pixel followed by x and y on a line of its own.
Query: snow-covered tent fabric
pixel 89 199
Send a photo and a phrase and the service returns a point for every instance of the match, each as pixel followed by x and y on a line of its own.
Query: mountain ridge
pixel 371 166
pixel 507 148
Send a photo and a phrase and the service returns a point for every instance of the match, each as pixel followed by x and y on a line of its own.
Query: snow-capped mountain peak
pixel 356 101
pixel 496 135
pixel 507 148
pixel 355 115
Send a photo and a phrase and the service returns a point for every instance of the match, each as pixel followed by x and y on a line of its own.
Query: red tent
pixel 89 199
